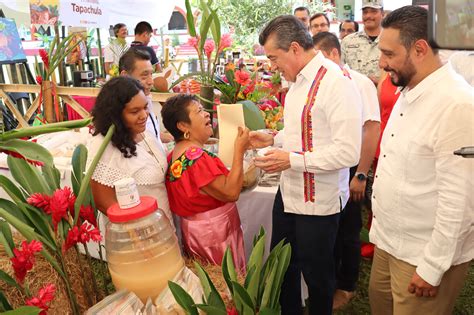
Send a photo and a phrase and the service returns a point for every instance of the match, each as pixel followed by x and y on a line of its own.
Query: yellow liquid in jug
pixel 148 275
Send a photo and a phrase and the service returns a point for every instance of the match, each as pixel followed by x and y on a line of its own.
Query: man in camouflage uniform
pixel 360 50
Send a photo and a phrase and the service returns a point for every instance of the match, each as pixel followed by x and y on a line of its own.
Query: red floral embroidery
pixel 193 153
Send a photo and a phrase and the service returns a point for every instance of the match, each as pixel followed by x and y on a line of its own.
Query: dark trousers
pixel 347 253
pixel 312 240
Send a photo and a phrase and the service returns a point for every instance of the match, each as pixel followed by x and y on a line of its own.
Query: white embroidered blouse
pixel 148 168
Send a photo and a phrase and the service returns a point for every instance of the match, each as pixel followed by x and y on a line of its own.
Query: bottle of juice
pixel 142 249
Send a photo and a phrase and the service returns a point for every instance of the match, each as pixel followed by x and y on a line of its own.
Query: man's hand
pixel 260 139
pixel 357 188
pixel 274 161
pixel 420 287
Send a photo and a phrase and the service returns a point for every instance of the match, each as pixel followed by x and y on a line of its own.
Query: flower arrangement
pixel 272 113
pixel 208 49
pixel 260 292
pixel 51 219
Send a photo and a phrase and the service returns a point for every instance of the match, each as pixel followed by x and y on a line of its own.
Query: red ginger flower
pixel 209 47
pixel 59 204
pixel 45 295
pixel 226 42
pixel 232 311
pixel 24 258
pixel 44 56
pixel 39 79
pixel 242 77
pixel 87 214
pixel 83 234
pixel 249 89
pixel 41 201
pixel 193 41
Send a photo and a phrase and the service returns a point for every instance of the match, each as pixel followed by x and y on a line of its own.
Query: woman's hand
pixel 260 139
pixel 242 141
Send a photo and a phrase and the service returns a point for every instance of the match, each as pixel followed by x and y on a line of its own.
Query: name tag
pixel 353 46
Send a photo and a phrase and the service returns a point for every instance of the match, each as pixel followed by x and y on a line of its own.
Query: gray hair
pixel 287 29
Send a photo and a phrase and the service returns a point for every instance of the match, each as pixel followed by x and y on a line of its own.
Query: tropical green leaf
pixel 29 233
pixel 188 76
pixel 228 269
pixel 24 310
pixel 8 279
pixel 81 196
pixel 28 149
pixel 41 224
pixel 252 115
pixel 52 176
pixel 79 161
pixel 210 292
pixel 205 25
pixel 27 176
pixel 183 298
pixel 281 267
pixel 6 238
pixel 266 297
pixel 14 210
pixel 48 128
pixel 4 304
pixel 190 19
pixel 260 234
pixel 211 310
pixel 269 311
pixel 216 28
pixel 242 300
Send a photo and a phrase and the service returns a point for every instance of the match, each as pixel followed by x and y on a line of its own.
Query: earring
pixel 186 135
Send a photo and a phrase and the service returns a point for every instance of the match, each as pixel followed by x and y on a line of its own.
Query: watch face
pixel 361 177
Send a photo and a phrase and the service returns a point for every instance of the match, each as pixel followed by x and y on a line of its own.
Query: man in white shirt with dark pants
pixel 321 140
pixel 422 199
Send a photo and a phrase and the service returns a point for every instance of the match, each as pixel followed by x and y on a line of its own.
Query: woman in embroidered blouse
pixel 132 152
pixel 200 188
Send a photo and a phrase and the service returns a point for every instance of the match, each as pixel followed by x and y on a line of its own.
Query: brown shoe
pixel 341 298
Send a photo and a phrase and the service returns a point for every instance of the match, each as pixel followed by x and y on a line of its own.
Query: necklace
pixel 152 153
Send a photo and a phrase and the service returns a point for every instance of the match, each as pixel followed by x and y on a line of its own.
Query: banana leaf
pixel 252 115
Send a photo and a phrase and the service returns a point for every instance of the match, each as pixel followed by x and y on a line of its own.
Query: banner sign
pixel 87 13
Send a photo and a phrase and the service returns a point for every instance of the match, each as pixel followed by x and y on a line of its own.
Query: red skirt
pixel 207 235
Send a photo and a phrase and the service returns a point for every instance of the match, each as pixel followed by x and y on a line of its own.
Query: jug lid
pixel 146 206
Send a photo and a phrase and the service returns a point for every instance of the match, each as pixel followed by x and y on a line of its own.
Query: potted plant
pixel 260 292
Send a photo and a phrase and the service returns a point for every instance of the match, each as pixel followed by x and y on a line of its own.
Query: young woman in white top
pixel 132 151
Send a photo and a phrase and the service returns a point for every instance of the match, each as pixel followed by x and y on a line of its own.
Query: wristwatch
pixel 360 176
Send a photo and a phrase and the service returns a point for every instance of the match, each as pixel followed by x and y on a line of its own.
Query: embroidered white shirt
pixel 336 135
pixel 422 198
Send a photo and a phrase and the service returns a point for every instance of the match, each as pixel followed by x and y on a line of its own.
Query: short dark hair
pixel 411 21
pixel 327 41
pixel 316 15
pixel 356 25
pixel 302 9
pixel 108 108
pixel 287 29
pixel 117 28
pixel 175 110
pixel 143 27
pixel 127 60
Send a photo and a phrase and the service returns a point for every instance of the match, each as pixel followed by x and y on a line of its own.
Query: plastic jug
pixel 142 249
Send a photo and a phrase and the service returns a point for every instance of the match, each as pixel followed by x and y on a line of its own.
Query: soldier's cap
pixel 376 4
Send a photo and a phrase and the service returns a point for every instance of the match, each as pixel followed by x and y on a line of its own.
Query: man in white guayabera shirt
pixel 321 140
pixel 422 198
